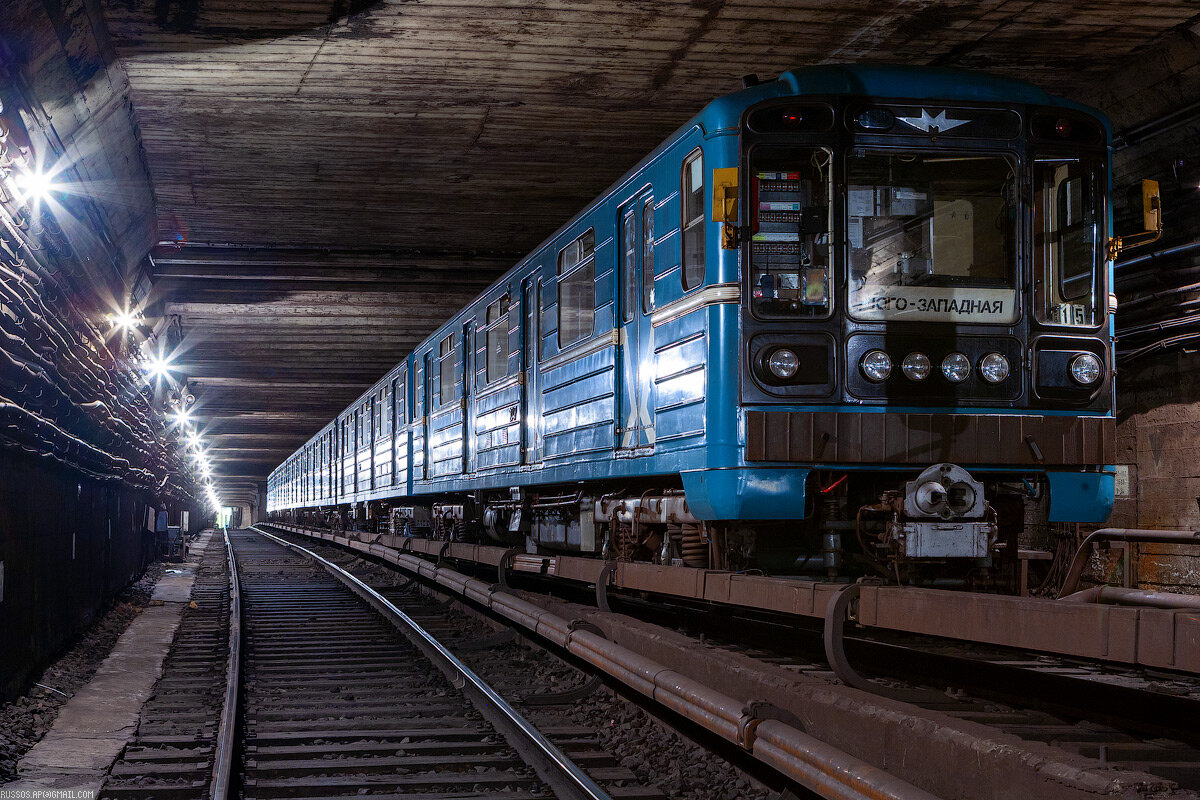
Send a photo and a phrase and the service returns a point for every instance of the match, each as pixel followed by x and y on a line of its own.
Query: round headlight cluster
pixel 783 363
pixel 916 366
pixel 994 368
pixel 956 367
pixel 1086 369
pixel 876 365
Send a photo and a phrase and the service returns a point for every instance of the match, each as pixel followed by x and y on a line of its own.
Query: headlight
pixel 783 363
pixel 876 365
pixel 1085 369
pixel 994 368
pixel 956 367
pixel 916 366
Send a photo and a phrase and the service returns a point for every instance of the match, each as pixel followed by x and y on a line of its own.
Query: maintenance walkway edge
pixel 98 721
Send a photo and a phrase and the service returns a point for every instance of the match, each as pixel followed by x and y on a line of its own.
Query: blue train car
pixel 853 319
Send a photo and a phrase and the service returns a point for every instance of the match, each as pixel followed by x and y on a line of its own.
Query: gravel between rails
pixel 25 720
pixel 655 753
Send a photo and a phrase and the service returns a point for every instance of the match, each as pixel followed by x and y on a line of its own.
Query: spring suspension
pixel 693 542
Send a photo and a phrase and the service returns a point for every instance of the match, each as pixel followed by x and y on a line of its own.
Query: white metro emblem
pixel 938 124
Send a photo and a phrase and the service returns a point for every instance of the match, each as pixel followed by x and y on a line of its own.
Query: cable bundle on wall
pixel 64 394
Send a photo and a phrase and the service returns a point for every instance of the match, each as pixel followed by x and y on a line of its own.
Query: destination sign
pixel 934 304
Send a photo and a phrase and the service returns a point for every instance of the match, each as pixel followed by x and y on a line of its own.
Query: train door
pixel 400 441
pixel 635 376
pixel 426 422
pixel 531 398
pixel 468 397
pixel 346 468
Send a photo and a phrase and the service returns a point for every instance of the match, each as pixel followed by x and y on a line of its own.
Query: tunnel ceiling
pixel 328 193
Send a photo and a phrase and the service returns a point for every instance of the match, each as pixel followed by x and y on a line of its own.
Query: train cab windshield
pixel 931 236
pixel 790 257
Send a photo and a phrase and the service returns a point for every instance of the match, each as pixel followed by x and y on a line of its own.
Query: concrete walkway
pixel 101 718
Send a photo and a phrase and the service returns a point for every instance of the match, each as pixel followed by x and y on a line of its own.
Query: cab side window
pixel 692 192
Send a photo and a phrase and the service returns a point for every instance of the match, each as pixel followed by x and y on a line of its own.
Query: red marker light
pixel 1063 127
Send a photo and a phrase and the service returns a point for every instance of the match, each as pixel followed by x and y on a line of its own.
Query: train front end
pixel 925 368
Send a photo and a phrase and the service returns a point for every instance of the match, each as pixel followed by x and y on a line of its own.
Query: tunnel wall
pixel 83 449
pixel 68 546
pixel 1158 393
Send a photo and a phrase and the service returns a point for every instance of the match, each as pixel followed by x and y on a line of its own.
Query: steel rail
pixel 218 789
pixel 561 774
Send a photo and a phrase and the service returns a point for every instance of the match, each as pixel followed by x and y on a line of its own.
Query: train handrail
pixel 218 789
pixel 559 772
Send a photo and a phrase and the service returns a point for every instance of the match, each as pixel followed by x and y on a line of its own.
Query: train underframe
pixel 941 527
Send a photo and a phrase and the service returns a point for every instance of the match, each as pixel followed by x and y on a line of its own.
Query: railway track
pixel 338 701
pixel 340 694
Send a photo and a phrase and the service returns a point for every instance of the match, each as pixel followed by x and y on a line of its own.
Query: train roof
pixel 892 80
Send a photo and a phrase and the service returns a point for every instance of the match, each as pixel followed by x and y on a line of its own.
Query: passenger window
pixel 648 255
pixel 496 340
pixel 577 290
pixel 399 393
pixel 692 193
pixel 446 370
pixel 385 409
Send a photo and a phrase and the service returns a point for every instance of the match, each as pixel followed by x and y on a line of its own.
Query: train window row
pixel 572 313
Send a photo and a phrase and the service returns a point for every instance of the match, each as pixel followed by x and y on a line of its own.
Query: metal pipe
pixel 1159 125
pixel 1160 344
pixel 1119 535
pixel 1135 597
pixel 1158 254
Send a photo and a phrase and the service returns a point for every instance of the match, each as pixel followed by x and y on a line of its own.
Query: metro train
pixel 855 320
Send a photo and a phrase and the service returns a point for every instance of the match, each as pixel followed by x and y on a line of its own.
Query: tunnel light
pixel 123 320
pixel 35 184
pixel 182 417
pixel 158 367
